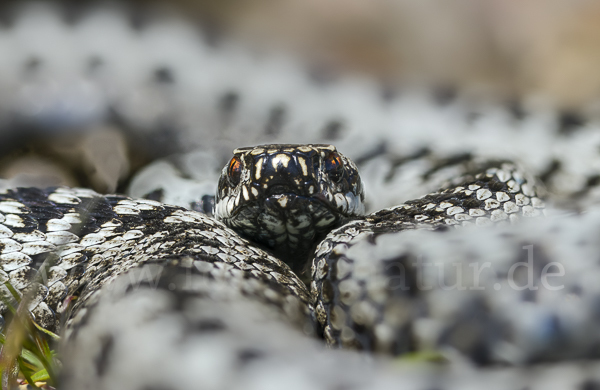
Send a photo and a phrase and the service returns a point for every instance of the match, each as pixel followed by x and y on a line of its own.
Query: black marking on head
pixel 103 358
pixel 569 121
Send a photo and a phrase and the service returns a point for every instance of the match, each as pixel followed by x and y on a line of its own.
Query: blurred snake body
pixel 443 245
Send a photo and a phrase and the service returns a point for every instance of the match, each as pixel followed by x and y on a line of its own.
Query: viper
pixel 445 261
pixel 133 259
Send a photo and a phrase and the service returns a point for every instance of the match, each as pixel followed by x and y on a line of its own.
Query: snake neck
pixel 290 233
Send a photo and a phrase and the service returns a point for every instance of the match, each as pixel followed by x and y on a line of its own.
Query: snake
pixel 169 297
pixel 124 255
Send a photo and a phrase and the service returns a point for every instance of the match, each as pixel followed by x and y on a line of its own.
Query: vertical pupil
pixel 235 170
pixel 333 162
pixel 333 165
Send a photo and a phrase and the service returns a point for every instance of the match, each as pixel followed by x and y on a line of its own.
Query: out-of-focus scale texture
pixel 169 298
pixel 201 343
pixel 370 303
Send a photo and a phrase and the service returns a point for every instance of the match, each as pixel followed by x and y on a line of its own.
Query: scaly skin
pixel 405 146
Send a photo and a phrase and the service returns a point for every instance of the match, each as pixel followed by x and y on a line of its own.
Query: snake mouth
pixel 281 204
pixel 278 190
pixel 294 203
pixel 281 200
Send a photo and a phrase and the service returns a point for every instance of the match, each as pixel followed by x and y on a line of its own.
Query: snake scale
pixel 170 298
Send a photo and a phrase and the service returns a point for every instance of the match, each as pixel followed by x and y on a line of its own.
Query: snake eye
pixel 234 171
pixel 334 166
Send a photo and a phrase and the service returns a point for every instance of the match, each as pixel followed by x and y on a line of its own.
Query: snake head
pixel 286 197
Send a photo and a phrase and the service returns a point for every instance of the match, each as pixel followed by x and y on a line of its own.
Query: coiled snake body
pixel 108 241
pixel 171 298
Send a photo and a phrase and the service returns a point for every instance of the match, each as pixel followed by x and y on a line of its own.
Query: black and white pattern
pixel 95 239
pixel 170 298
pixel 360 297
pixel 288 197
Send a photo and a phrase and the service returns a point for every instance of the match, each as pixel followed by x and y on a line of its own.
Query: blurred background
pixel 75 110
pixel 549 49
